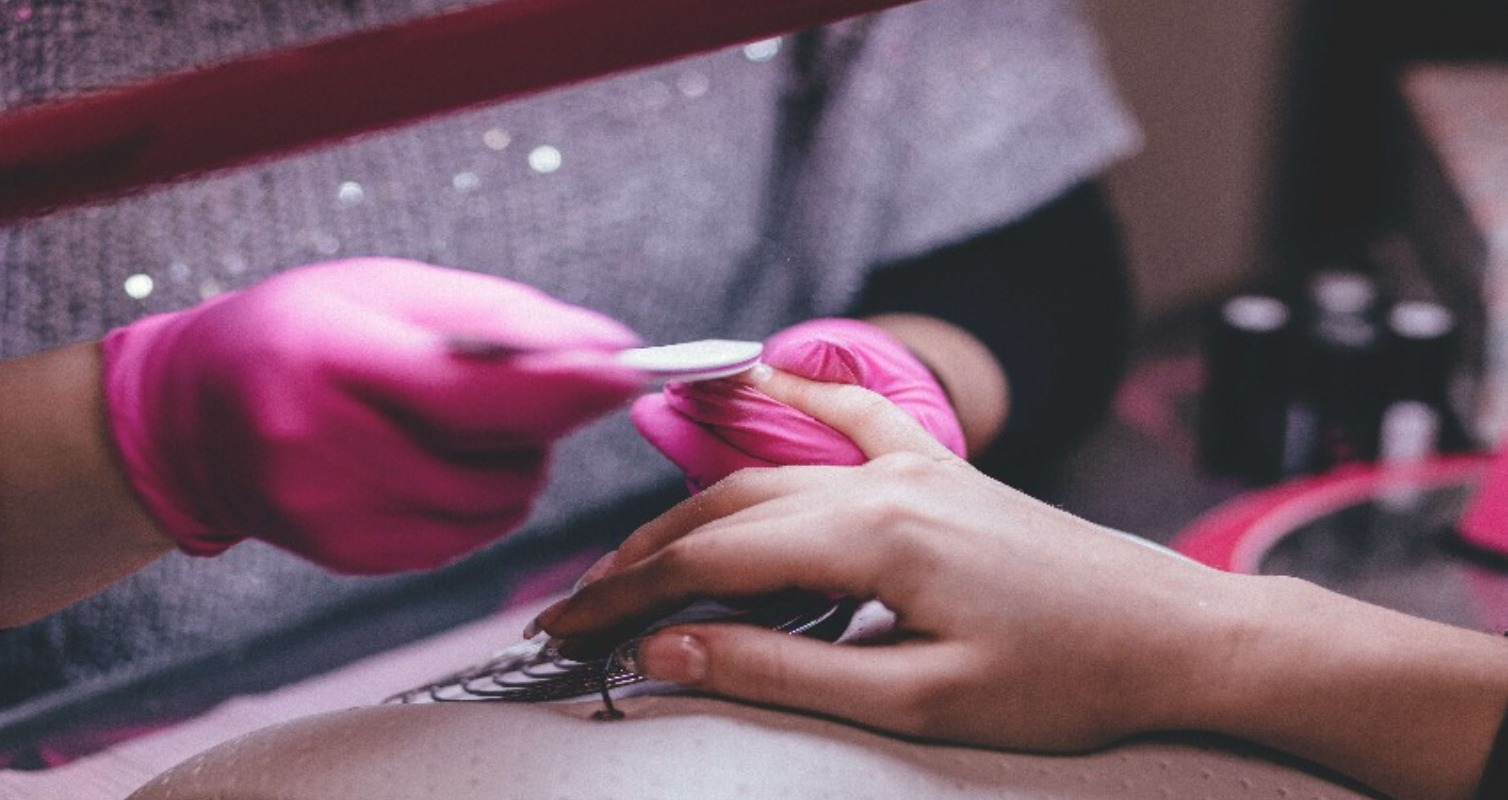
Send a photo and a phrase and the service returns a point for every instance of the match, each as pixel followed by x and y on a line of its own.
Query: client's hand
pixel 715 428
pixel 1021 626
pixel 322 410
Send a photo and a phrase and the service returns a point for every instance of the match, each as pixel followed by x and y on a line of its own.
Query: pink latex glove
pixel 323 412
pixel 715 428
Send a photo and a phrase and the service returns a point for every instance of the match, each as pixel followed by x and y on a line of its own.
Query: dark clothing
pixel 1049 296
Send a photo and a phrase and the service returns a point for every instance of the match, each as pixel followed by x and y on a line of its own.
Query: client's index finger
pixel 878 426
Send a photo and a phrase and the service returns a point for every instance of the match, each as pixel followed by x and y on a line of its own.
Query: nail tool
pixel 536 671
pixel 685 362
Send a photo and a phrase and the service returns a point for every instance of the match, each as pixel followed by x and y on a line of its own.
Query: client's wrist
pixel 1257 633
pixel 1186 657
pixel 1405 705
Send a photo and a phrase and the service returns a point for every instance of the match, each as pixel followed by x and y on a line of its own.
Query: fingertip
pixel 597 571
pixel 757 375
pixel 548 620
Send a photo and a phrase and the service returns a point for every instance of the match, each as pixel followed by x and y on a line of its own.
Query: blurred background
pixel 1269 128
pixel 1338 158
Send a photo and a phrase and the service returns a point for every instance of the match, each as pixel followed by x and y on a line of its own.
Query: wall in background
pixel 1208 83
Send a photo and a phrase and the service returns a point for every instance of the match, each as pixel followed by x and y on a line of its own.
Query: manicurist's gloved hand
pixel 322 410
pixel 713 429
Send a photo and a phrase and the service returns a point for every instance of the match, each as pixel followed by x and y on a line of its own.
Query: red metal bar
pixel 61 153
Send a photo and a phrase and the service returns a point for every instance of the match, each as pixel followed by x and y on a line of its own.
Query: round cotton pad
pixel 693 361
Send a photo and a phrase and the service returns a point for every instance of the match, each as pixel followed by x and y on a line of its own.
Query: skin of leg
pixel 672 747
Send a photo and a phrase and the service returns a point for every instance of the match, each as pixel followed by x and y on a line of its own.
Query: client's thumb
pixel 769 667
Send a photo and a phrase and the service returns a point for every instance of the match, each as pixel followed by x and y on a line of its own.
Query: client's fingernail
pixel 542 619
pixel 599 568
pixel 757 374
pixel 678 658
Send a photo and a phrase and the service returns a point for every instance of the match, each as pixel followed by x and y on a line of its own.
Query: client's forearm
pixel 69 522
pixel 974 381
pixel 1405 705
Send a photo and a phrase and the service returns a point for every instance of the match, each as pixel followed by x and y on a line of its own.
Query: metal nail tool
pixel 702 360
pixel 536 671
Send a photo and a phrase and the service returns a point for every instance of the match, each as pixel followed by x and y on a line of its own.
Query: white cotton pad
pixel 693 361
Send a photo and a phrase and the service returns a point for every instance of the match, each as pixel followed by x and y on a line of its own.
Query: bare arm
pixel 1406 705
pixel 69 522
pixel 1024 627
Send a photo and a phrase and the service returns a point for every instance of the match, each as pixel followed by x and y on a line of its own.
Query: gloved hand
pixel 322 410
pixel 714 428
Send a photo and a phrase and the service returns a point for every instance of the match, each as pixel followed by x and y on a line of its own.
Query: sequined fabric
pixel 721 196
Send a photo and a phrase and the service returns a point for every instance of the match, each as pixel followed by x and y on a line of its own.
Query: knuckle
pixel 887 518
pixel 716 500
pixel 898 490
pixel 879 509
pixel 911 472
pixel 754 668
pixel 674 561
